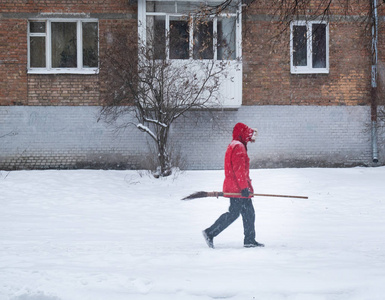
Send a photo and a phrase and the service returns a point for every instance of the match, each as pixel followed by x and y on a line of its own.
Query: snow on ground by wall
pixel 79 235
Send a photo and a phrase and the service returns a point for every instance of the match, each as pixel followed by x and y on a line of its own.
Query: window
pixel 173 33
pixel 171 30
pixel 309 46
pixel 63 46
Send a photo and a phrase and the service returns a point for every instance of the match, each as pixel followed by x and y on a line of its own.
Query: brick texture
pixel 13 62
pixel 63 89
pixel 66 6
pixel 266 61
pixel 46 137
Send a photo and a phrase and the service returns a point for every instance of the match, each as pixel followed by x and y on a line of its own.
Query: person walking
pixel 237 180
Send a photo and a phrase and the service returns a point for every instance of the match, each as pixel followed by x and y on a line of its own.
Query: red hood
pixel 242 133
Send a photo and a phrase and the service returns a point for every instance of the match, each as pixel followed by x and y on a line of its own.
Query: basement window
pixel 309 47
pixel 63 46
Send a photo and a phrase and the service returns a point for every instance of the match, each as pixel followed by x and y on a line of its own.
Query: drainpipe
pixel 374 81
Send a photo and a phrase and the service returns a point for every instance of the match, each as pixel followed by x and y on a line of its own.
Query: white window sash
pixel 308 69
pixel 142 15
pixel 35 34
pixel 48 45
pixel 215 38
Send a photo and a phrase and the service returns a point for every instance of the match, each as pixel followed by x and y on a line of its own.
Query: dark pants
pixel 237 206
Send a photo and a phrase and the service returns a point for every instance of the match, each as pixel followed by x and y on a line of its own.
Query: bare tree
pixel 141 80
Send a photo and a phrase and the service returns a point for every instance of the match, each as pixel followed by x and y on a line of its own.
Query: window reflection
pixel 203 40
pixel 64 43
pixel 319 46
pixel 299 46
pixel 226 38
pixel 179 39
pixel 90 44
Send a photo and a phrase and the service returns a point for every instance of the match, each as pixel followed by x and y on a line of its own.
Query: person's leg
pixel 226 219
pixel 248 217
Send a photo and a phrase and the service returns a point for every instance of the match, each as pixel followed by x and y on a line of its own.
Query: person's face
pixel 254 136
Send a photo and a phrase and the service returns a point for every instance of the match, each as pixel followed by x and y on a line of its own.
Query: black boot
pixel 252 244
pixel 208 239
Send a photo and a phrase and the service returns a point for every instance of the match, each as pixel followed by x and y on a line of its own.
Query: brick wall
pixel 266 62
pixel 13 61
pixel 289 136
pixel 43 137
pixel 63 89
pixel 19 88
pixel 66 6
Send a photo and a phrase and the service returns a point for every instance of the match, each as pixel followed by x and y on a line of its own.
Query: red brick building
pixel 51 52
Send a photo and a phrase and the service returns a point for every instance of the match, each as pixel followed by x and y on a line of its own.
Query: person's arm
pixel 238 159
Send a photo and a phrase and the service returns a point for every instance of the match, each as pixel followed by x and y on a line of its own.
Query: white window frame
pixel 142 15
pixel 309 68
pixel 48 58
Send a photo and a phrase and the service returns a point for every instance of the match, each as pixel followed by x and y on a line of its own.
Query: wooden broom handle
pixel 219 194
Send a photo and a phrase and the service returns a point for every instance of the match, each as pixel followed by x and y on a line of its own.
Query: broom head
pixel 203 195
pixel 196 195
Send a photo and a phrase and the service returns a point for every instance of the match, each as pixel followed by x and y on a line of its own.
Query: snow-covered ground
pixel 122 235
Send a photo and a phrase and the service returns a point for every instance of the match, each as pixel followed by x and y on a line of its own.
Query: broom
pixel 221 194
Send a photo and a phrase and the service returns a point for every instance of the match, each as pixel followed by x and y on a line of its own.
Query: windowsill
pixel 91 71
pixel 309 71
pixel 219 108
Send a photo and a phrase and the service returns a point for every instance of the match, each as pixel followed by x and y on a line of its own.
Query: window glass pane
pixel 188 7
pixel 160 6
pixel 150 6
pixel 37 27
pixel 179 39
pixel 203 40
pixel 37 52
pixel 299 46
pixel 63 45
pixel 156 36
pixel 90 44
pixel 319 46
pixel 230 8
pixel 226 38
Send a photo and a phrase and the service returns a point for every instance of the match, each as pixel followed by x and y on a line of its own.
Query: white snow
pixel 118 235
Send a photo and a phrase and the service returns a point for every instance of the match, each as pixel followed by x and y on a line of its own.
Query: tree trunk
pixel 164 168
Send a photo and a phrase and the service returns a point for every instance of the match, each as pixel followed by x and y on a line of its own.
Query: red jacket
pixel 237 162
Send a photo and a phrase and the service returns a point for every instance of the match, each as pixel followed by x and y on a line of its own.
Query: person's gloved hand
pixel 245 193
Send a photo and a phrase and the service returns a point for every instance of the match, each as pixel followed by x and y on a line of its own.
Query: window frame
pixel 191 22
pixel 309 69
pixel 48 69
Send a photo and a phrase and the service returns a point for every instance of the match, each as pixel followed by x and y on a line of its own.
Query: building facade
pixel 306 85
